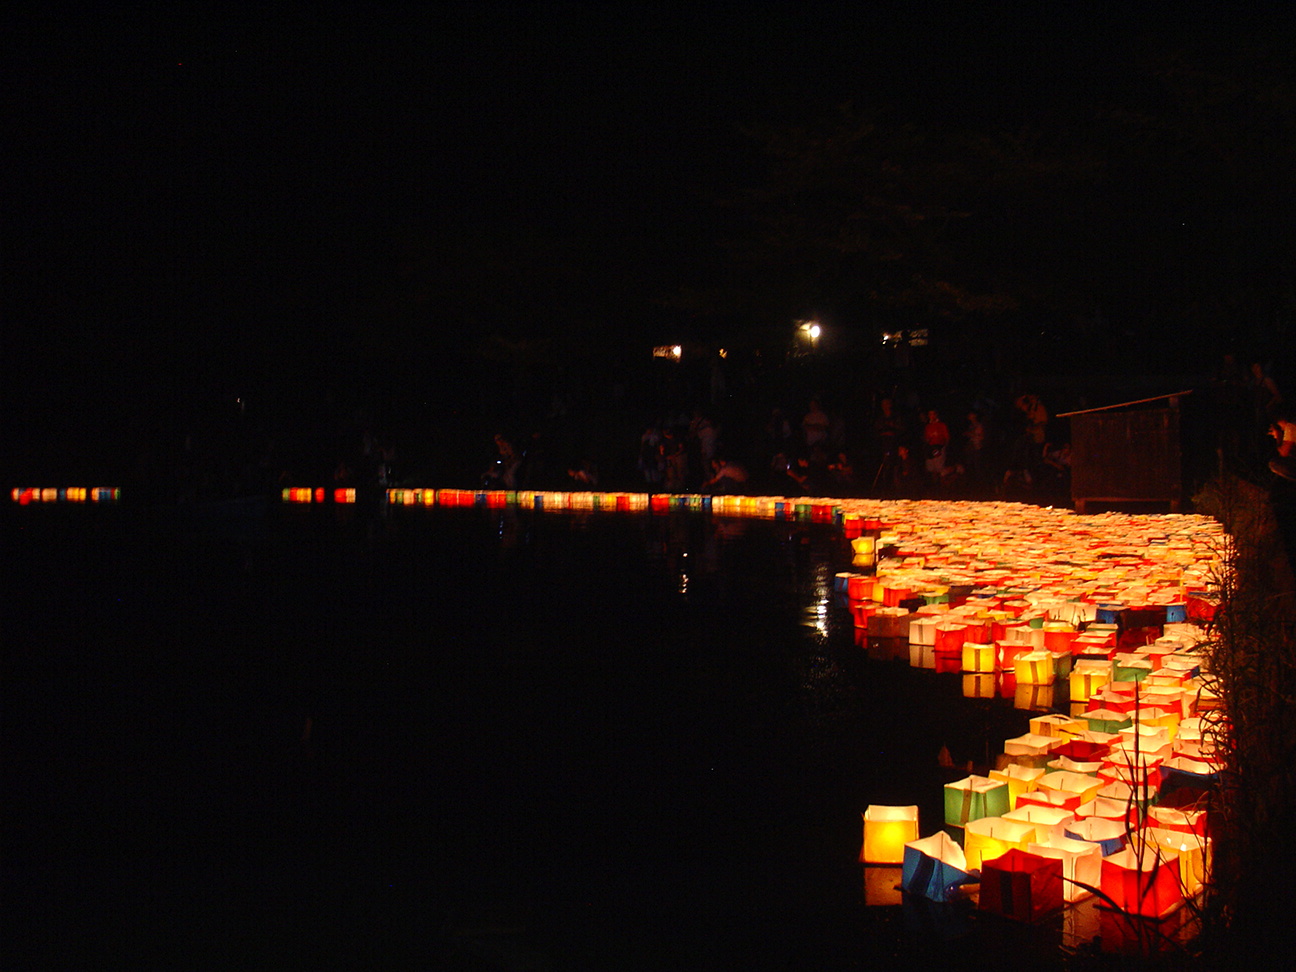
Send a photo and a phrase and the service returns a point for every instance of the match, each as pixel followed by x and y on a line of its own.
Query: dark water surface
pixel 600 742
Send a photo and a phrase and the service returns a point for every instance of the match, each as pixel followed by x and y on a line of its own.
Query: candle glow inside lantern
pixel 886 831
pixel 934 867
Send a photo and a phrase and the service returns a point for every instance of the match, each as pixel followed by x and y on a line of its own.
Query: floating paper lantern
pixel 979 657
pixel 992 837
pixel 344 495
pixel 934 868
pixel 973 798
pixel 1145 883
pixel 922 630
pixel 950 636
pixel 886 831
pixel 1021 885
pixel 1034 668
pixel 1086 678
pixel 1192 851
pixel 1081 864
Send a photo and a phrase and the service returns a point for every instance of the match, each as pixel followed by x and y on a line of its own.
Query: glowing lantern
pixel 1081 864
pixel 922 630
pixel 1088 677
pixel 1034 668
pixel 950 637
pixel 978 657
pixel 973 798
pixel 889 622
pixel 49 495
pixel 1020 779
pixel 1193 853
pixel 1148 887
pixel 344 495
pixel 863 548
pixel 1109 835
pixel 886 831
pixel 934 867
pixel 1083 749
pixel 1107 810
pixel 1021 885
pixel 991 837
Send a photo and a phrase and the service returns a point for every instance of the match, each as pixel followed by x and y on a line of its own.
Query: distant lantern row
pixel 65 494
pixel 301 494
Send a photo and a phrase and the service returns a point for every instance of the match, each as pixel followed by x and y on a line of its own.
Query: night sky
pixel 342 197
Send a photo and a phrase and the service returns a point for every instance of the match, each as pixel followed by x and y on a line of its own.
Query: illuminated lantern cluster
pixel 25 495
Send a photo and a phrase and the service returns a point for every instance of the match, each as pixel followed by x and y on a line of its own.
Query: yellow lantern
pixel 979 657
pixel 990 837
pixel 886 831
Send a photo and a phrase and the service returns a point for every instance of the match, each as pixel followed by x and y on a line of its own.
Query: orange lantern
pixel 886 831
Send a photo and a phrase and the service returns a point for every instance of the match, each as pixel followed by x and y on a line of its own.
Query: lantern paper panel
pixel 886 831
pixel 1021 885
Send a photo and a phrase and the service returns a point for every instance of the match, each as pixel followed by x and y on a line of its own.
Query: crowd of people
pixel 895 439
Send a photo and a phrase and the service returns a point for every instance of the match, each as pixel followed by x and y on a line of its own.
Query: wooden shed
pixel 1127 453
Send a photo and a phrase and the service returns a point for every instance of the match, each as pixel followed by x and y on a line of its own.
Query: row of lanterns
pixel 302 495
pixel 25 495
